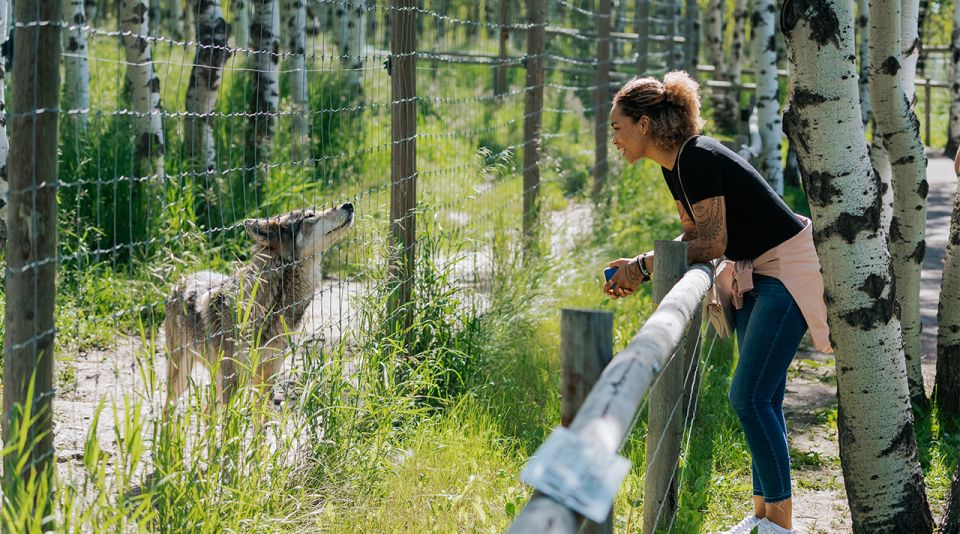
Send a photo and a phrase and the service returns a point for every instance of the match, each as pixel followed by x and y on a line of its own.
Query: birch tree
pixel 910 47
pixel 878 450
pixel 240 11
pixel 203 87
pixel 265 42
pixel 90 11
pixel 724 106
pixel 144 88
pixel 692 31
pixel 947 388
pixel 4 143
pixel 768 104
pixel 296 18
pixel 951 520
pixel 953 128
pixel 738 54
pixel 350 27
pixel 897 126
pixel 76 83
pixel 863 29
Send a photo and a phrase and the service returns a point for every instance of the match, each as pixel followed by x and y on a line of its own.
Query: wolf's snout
pixel 347 207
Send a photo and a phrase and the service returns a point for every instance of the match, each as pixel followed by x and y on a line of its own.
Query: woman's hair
pixel 672 105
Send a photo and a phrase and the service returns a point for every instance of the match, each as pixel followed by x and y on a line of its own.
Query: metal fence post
pixel 403 152
pixel 586 347
pixel 31 256
pixel 665 416
pixel 601 97
pixel 533 113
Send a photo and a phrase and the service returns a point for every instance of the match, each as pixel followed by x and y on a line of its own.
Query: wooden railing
pixel 656 361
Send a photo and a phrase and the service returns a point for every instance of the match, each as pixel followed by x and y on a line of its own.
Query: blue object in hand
pixel 608 274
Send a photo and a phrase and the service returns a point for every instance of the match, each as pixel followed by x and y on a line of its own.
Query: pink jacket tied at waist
pixel 795 263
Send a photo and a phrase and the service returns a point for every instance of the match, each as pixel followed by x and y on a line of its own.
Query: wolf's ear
pixel 261 230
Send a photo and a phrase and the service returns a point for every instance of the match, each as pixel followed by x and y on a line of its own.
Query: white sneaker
pixel 743 527
pixel 768 527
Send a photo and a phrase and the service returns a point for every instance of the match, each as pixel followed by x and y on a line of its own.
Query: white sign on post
pixel 578 474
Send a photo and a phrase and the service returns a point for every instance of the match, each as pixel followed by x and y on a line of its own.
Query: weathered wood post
pixel 31 257
pixel 641 25
pixel 403 152
pixel 665 416
pixel 533 113
pixel 586 347
pixel 500 71
pixel 601 96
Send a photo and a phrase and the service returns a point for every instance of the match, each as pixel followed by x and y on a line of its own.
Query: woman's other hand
pixel 627 278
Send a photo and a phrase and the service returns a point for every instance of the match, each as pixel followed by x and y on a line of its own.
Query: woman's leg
pixel 768 335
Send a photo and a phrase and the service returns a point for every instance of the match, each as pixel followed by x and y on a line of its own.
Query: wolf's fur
pixel 222 319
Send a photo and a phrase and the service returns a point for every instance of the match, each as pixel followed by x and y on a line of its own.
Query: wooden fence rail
pixel 609 411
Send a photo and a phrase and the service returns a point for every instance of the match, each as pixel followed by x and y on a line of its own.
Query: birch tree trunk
pixel 881 162
pixel 240 11
pixel 724 107
pixel 90 11
pixel 204 85
pixel 947 389
pixel 296 13
pixel 737 54
pixel 899 129
pixel 4 143
pixel 144 89
pixel 768 104
pixel 692 34
pixel 265 42
pixel 953 129
pixel 350 28
pixel 878 450
pixel 910 47
pixel 863 28
pixel 951 520
pixel 76 84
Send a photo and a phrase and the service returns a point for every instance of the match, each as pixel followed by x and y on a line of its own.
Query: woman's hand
pixel 627 278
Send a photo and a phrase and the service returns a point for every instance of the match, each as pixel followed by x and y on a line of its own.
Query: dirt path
pixel 820 504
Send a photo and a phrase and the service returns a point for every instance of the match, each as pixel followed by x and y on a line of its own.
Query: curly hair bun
pixel 682 90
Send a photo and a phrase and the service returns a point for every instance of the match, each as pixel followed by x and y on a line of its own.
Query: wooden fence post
pixel 641 25
pixel 601 97
pixel 586 347
pixel 533 113
pixel 403 151
pixel 665 416
pixel 500 71
pixel 31 250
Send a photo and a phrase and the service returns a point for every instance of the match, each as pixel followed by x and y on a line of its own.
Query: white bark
pixel 947 390
pixel 910 47
pixel 76 83
pixel 265 42
pixel 144 87
pixel 240 10
pixel 878 451
pixel 296 39
pixel 897 126
pixel 881 162
pixel 204 85
pixel 4 143
pixel 768 104
pixel 351 28
pixel 953 134
pixel 863 28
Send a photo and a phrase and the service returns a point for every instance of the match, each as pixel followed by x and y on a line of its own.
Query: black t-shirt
pixel 757 219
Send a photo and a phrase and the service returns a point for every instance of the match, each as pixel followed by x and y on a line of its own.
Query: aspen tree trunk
pixel 265 43
pixel 878 451
pixel 76 85
pixel 676 49
pixel 296 13
pixel 724 108
pixel 4 143
pixel 738 54
pixel 910 47
pixel 768 104
pixel 144 89
pixel 881 162
pixel 899 129
pixel 951 520
pixel 240 11
pixel 947 388
pixel 350 28
pixel 953 129
pixel 90 11
pixel 212 37
pixel 863 29
pixel 692 33
pixel 155 15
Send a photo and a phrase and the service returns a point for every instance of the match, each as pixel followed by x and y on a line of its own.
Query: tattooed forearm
pixel 689 227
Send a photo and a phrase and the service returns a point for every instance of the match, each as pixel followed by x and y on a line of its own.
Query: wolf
pixel 223 319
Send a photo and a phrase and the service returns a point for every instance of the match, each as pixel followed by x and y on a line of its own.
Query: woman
pixel 728 210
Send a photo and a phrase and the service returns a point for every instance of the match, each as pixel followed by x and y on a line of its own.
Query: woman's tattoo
pixel 632 271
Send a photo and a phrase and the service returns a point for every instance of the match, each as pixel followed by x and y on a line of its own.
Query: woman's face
pixel 630 137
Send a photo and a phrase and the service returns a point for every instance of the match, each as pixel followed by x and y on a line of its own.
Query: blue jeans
pixel 769 328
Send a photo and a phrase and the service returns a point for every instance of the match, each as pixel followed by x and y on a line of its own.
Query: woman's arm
pixel 707 237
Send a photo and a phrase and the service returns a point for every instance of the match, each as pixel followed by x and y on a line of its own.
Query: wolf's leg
pixel 179 366
pixel 270 366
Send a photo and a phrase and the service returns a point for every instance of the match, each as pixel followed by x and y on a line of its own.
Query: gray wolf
pixel 224 320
